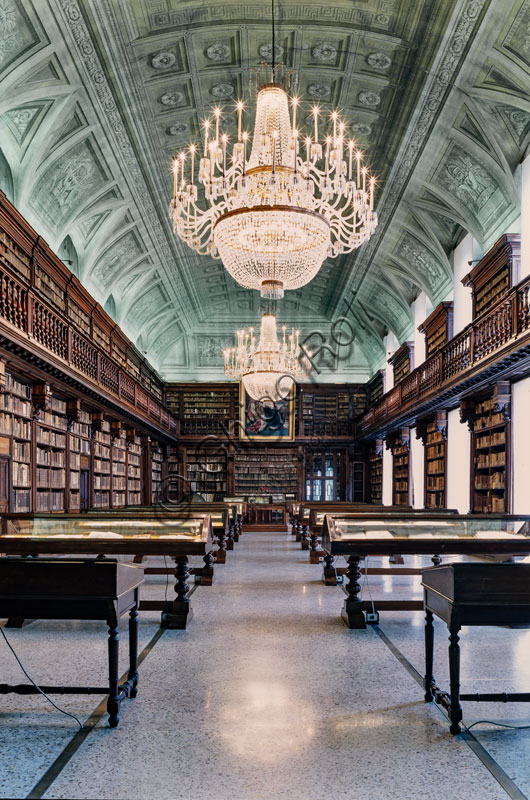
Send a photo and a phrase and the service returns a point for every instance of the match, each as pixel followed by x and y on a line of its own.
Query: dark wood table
pixel 76 589
pixel 265 517
pixel 357 537
pixel 471 594
pixel 79 534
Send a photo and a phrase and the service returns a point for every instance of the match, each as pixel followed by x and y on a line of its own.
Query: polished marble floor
pixel 267 695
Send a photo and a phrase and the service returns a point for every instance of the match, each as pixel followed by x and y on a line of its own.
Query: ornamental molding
pixel 74 20
pixel 410 153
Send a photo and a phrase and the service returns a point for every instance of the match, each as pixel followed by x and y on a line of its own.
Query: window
pixel 322 476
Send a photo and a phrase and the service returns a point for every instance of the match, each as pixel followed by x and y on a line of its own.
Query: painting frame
pixel 255 436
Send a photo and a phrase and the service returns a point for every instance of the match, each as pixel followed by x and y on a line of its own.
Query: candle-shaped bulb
pixel 217 115
pixel 240 107
pixel 206 126
pixel 175 169
pixel 316 112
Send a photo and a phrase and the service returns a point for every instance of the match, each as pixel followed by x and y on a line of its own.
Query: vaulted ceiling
pixel 97 96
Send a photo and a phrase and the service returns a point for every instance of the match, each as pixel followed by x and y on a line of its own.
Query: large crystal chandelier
pixel 274 214
pixel 271 368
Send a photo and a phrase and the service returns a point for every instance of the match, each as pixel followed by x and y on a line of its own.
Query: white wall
pixel 417 456
pixel 458 463
pixel 525 218
pixel 387 477
pixel 391 345
pixel 521 446
pixel 421 308
pixel 462 296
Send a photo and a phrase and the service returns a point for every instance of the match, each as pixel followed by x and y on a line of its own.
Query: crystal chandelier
pixel 269 370
pixel 273 215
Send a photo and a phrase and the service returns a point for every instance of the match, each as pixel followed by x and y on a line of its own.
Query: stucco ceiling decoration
pixel 438 94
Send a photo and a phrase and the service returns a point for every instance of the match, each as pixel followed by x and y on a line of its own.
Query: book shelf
pixel 435 441
pixel 15 422
pixel 134 469
pixel 326 414
pixel 402 361
pixel 206 473
pixel 357 475
pixel 266 471
pixel 79 445
pixel 490 443
pixel 50 450
pixel 400 447
pixel 156 473
pixel 375 389
pixel 375 473
pixel 118 497
pixel 437 328
pixel 201 411
pixel 101 461
pixel 494 274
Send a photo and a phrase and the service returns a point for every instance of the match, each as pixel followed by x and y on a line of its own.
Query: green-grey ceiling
pixel 96 96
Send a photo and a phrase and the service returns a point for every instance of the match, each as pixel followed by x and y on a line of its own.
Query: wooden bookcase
pixel 328 412
pixel 491 452
pixel 202 409
pixel 118 497
pixel 399 444
pixel 79 446
pixel 375 389
pixel 375 473
pixel 134 469
pixel 494 274
pixel 101 461
pixel 437 328
pixel 402 361
pixel 434 436
pixel 15 422
pixel 206 472
pixel 266 471
pixel 157 459
pixel 50 449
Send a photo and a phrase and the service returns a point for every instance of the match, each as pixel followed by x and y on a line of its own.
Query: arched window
pixel 6 178
pixel 110 307
pixel 68 254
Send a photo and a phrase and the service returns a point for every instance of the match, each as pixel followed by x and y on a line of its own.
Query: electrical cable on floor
pixel 30 679
pixel 367 584
pixel 167 579
pixel 498 724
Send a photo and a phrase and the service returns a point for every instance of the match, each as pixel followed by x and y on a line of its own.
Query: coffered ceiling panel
pixel 98 95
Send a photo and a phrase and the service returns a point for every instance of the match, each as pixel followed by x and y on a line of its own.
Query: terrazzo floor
pixel 266 695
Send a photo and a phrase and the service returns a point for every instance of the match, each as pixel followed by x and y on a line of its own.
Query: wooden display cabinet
pixel 399 445
pixel 375 473
pixel 433 433
pixel 489 420
pixel 495 273
pixel 402 361
pixel 437 328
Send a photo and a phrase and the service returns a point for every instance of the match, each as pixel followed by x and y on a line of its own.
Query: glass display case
pixel 357 537
pixel 87 526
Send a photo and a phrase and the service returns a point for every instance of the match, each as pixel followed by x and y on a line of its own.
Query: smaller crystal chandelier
pixel 269 370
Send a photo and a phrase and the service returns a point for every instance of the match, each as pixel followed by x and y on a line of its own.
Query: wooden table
pixel 266 517
pixel 471 594
pixel 63 588
pixel 416 534
pixel 79 534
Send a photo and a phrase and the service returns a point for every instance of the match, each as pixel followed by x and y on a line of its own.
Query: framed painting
pixel 266 421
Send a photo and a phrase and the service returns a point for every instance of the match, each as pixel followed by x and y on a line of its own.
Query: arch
pixel 6 178
pixel 68 253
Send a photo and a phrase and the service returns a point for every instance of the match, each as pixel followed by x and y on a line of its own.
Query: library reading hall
pixel 265 399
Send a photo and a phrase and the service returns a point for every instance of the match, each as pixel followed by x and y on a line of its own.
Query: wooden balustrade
pixel 28 313
pixel 486 335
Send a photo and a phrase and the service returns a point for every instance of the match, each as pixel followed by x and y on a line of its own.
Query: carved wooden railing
pixel 23 309
pixel 486 335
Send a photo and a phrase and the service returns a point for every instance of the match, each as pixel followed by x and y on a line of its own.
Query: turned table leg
pixel 428 681
pixel 178 613
pixel 206 577
pixel 230 538
pixel 316 551
pixel 297 530
pixel 133 652
pixel 113 703
pixel 455 712
pixel 352 613
pixel 329 573
pixel 305 537
pixel 220 555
